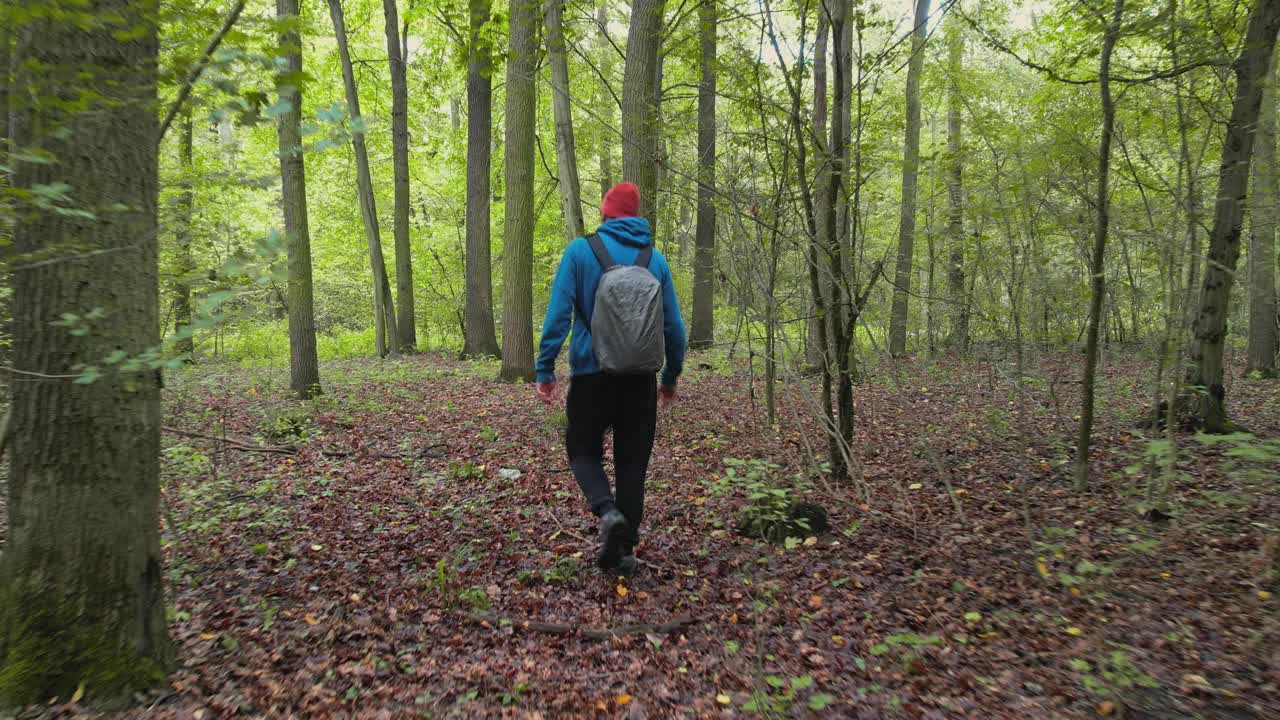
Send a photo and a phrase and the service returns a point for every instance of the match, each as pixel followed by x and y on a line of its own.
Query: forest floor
pixel 394 550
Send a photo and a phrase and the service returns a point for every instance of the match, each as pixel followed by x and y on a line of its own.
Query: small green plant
pixel 488 434
pixel 778 694
pixel 563 572
pixel 286 425
pixel 1117 672
pixel 447 585
pixel 465 470
pixel 772 512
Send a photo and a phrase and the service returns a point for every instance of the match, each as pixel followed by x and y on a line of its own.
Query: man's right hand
pixel 666 395
pixel 547 392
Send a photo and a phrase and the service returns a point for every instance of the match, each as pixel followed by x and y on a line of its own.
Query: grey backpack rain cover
pixel 626 325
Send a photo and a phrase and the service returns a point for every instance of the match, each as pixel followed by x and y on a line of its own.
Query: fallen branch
pixel 245 446
pixel 590 633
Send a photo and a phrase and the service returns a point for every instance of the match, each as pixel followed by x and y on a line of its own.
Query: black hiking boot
pixel 613 531
pixel 628 566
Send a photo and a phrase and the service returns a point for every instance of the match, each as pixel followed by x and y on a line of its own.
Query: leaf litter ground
pixel 347 570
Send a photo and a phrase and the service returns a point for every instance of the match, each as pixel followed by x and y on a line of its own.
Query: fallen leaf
pixel 317 548
pixel 622 699
pixel 1074 631
pixel 622 591
pixel 724 699
pixel 311 619
pixel 78 694
pixel 915 486
pixel 815 602
pixel 1106 707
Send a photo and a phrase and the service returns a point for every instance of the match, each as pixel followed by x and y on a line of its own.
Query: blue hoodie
pixel 573 297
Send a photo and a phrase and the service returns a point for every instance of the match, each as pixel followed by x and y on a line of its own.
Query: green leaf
pixel 801 683
pixel 819 701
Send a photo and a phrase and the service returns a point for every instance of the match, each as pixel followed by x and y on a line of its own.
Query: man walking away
pixel 615 289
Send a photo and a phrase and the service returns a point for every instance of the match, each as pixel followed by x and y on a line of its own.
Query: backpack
pixel 626 325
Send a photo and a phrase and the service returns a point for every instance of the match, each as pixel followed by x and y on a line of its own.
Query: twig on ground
pixel 590 633
pixel 245 446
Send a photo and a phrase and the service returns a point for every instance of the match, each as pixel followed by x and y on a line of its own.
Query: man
pixel 601 396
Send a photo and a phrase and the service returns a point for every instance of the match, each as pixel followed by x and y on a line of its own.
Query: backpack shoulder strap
pixel 645 255
pixel 601 252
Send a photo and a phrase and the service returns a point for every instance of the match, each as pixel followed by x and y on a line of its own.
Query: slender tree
pixel 1251 70
pixel 639 109
pixel 910 172
pixel 959 311
pixel 185 345
pixel 304 368
pixel 386 330
pixel 1265 209
pixel 566 159
pixel 406 320
pixel 81 575
pixel 606 100
pixel 818 348
pixel 479 338
pixel 517 249
pixel 1097 271
pixel 702 331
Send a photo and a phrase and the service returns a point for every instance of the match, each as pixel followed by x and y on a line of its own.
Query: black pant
pixel 629 405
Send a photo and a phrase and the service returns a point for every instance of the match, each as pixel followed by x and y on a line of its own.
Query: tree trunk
pixel 607 103
pixel 566 159
pixel 639 109
pixel 818 345
pixel 1251 69
pixel 406 324
pixel 910 170
pixel 81 577
pixel 479 339
pixel 185 345
pixel 702 331
pixel 1097 270
pixel 959 335
pixel 838 315
pixel 517 248
pixel 304 369
pixel 384 309
pixel 1263 343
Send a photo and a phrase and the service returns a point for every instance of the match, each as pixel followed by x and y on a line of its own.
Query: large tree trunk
pixel 818 346
pixel 702 331
pixel 566 159
pixel 81 577
pixel 607 103
pixel 1251 69
pixel 184 347
pixel 838 312
pixel 387 332
pixel 1097 271
pixel 958 337
pixel 406 322
pixel 639 109
pixel 1263 343
pixel 479 339
pixel 910 171
pixel 304 369
pixel 517 248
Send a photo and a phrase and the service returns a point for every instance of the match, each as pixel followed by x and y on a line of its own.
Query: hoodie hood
pixel 633 231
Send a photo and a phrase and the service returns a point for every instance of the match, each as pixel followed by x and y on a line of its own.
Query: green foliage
pixel 465 470
pixel 287 424
pixel 1116 672
pixel 564 571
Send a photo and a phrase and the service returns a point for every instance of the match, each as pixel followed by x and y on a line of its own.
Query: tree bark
pixel 517 249
pixel 639 109
pixel 702 330
pixel 607 103
pixel 566 158
pixel 387 332
pixel 406 321
pixel 818 346
pixel 304 367
pixel 959 312
pixel 81 577
pixel 1251 69
pixel 1097 269
pixel 185 345
pixel 838 312
pixel 1263 343
pixel 479 338
pixel 910 171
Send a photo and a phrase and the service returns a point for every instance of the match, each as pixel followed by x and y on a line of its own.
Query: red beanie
pixel 622 200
